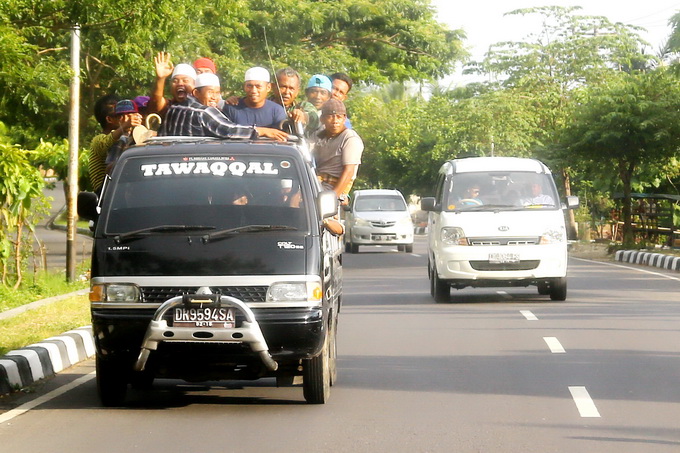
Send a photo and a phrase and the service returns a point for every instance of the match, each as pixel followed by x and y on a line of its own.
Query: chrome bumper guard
pixel 249 332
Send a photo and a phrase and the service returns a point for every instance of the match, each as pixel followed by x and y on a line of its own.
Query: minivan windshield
pixel 480 191
pixel 205 193
pixel 379 203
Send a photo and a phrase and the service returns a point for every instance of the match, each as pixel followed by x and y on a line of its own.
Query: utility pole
pixel 72 177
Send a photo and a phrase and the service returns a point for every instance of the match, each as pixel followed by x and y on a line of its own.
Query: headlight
pixel 552 237
pixel 295 292
pixel 361 222
pixel 453 236
pixel 115 292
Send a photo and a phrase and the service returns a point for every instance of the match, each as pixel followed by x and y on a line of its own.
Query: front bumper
pixel 366 235
pixel 289 334
pixel 248 332
pixel 473 263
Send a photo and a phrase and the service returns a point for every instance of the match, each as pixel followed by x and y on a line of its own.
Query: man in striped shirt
pixel 185 116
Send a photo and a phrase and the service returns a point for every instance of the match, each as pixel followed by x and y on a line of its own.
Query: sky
pixel 484 24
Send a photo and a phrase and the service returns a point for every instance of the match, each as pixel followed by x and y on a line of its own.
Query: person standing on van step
pixel 105 114
pixel 129 117
pixel 342 84
pixel 337 150
pixel 319 89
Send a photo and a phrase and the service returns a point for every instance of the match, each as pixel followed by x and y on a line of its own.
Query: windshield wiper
pixel 245 229
pixel 160 229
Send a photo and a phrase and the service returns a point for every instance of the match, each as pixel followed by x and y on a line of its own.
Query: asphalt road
pixel 54 240
pixel 496 371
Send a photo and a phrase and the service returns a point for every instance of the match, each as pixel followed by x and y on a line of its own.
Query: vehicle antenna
pixel 271 63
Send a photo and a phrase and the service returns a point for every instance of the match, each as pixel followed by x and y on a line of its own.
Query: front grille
pixel 490 241
pixel 383 224
pixel 525 265
pixel 244 293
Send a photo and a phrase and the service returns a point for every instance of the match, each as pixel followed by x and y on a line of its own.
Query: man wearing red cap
pixel 203 65
pixel 337 150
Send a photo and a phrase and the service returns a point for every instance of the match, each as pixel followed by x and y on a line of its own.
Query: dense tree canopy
pixel 375 41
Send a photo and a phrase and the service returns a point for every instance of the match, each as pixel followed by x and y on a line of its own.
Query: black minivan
pixel 214 259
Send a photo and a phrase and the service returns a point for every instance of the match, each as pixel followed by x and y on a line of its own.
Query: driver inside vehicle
pixel 470 196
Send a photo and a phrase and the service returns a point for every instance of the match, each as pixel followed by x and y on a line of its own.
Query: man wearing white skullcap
pixel 182 79
pixel 207 89
pixel 255 108
pixel 186 115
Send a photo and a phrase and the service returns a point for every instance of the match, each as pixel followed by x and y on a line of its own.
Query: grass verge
pixel 47 321
pixel 39 286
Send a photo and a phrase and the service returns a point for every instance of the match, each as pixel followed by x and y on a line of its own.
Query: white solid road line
pixel 584 403
pixel 554 345
pixel 529 315
pixel 504 294
pixel 9 415
pixel 644 271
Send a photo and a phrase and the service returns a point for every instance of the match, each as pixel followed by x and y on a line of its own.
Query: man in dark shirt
pixel 191 117
pixel 255 109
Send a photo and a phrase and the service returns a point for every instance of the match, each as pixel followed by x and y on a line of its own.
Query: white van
pixel 493 222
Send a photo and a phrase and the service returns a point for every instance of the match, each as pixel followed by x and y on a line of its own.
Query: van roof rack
pixel 300 143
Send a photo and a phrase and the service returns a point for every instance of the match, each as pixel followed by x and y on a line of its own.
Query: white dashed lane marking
pixel 529 315
pixel 554 345
pixel 584 403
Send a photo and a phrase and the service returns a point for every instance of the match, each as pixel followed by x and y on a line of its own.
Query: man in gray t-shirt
pixel 337 150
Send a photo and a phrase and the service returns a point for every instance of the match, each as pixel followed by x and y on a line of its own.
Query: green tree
pixel 569 51
pixel 22 203
pixel 631 124
pixel 375 41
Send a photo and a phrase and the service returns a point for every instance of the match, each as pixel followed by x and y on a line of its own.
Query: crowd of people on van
pixel 195 107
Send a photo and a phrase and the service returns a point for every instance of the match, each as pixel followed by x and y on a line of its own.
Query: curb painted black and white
pixel 23 367
pixel 668 262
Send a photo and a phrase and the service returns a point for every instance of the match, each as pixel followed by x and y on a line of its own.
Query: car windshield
pixel 379 203
pixel 215 192
pixel 481 191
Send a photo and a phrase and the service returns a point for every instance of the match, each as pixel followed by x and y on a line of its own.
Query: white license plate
pixel 204 317
pixel 503 257
pixel 382 237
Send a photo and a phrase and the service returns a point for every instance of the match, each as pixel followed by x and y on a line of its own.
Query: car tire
pixel 348 247
pixel 111 382
pixel 441 291
pixel 142 380
pixel 558 289
pixel 333 359
pixel 543 288
pixel 408 248
pixel 316 376
pixel 353 248
pixel 401 248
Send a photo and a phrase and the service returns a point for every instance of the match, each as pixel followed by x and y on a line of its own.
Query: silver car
pixel 378 217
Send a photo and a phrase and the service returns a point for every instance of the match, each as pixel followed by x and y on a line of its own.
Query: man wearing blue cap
pixel 319 90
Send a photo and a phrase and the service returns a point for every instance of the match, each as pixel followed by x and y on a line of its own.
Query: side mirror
pixel 572 202
pixel 87 205
pixel 428 204
pixel 327 204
